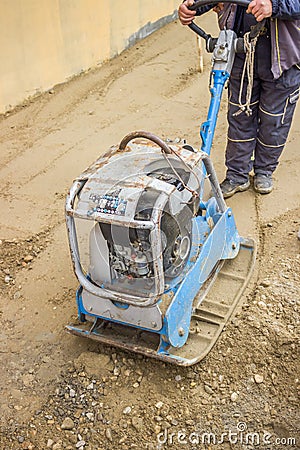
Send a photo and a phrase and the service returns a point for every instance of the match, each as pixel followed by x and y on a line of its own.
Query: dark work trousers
pixel 257 141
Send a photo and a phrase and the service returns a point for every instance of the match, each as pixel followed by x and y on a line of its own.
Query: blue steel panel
pixel 222 243
pixel 208 127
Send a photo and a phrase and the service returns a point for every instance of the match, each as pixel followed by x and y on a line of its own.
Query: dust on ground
pixel 59 391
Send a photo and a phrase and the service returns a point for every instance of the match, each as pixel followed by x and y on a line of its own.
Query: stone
pixel 258 378
pixel 208 389
pixel 157 429
pixel 67 424
pixel 234 397
pixel 262 305
pixel 72 393
pixel 137 423
pixel 265 283
pixel 127 410
pixel 90 416
pixel 108 434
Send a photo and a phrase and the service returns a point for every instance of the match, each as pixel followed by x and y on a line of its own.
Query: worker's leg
pixel 242 128
pixel 277 105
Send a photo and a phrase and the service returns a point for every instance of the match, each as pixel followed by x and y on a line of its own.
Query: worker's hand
pixel 186 16
pixel 218 8
pixel 260 9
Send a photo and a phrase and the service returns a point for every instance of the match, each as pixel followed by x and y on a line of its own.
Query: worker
pixel 258 123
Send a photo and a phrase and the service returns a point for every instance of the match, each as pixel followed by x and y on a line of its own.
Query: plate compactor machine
pixel 160 262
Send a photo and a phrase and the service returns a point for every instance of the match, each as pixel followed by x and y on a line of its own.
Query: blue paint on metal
pixel 80 310
pixel 207 129
pixel 211 208
pixel 220 242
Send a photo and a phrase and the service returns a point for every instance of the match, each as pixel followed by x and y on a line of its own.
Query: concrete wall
pixel 44 42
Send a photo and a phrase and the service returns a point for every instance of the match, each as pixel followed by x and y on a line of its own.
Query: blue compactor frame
pixel 160 262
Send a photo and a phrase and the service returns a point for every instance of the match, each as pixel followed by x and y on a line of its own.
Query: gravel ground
pixel 62 392
pixel 244 392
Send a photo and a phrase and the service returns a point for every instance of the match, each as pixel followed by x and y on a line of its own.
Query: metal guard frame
pixel 152 224
pixel 219 78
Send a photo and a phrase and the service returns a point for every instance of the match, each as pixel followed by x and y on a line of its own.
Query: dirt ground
pixel 59 391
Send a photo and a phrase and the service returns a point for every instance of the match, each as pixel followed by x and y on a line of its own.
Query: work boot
pixel 263 184
pixel 229 187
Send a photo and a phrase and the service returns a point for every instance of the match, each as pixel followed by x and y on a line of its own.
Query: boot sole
pixel 263 190
pixel 241 188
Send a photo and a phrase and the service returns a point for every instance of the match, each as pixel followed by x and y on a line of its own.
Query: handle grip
pixel 199 3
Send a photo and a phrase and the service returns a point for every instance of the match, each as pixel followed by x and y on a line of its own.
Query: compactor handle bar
pixel 207 37
pixel 200 3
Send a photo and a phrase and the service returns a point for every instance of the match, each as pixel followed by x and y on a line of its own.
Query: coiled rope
pixel 250 45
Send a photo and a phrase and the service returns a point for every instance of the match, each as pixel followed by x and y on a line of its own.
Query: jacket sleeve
pixel 286 9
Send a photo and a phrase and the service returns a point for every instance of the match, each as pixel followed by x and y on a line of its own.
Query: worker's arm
pixel 261 9
pixel 286 9
pixel 186 16
pixel 281 9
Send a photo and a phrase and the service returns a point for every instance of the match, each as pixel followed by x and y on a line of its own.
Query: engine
pixel 142 204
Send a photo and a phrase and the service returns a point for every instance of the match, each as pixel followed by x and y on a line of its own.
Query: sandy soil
pixel 59 391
